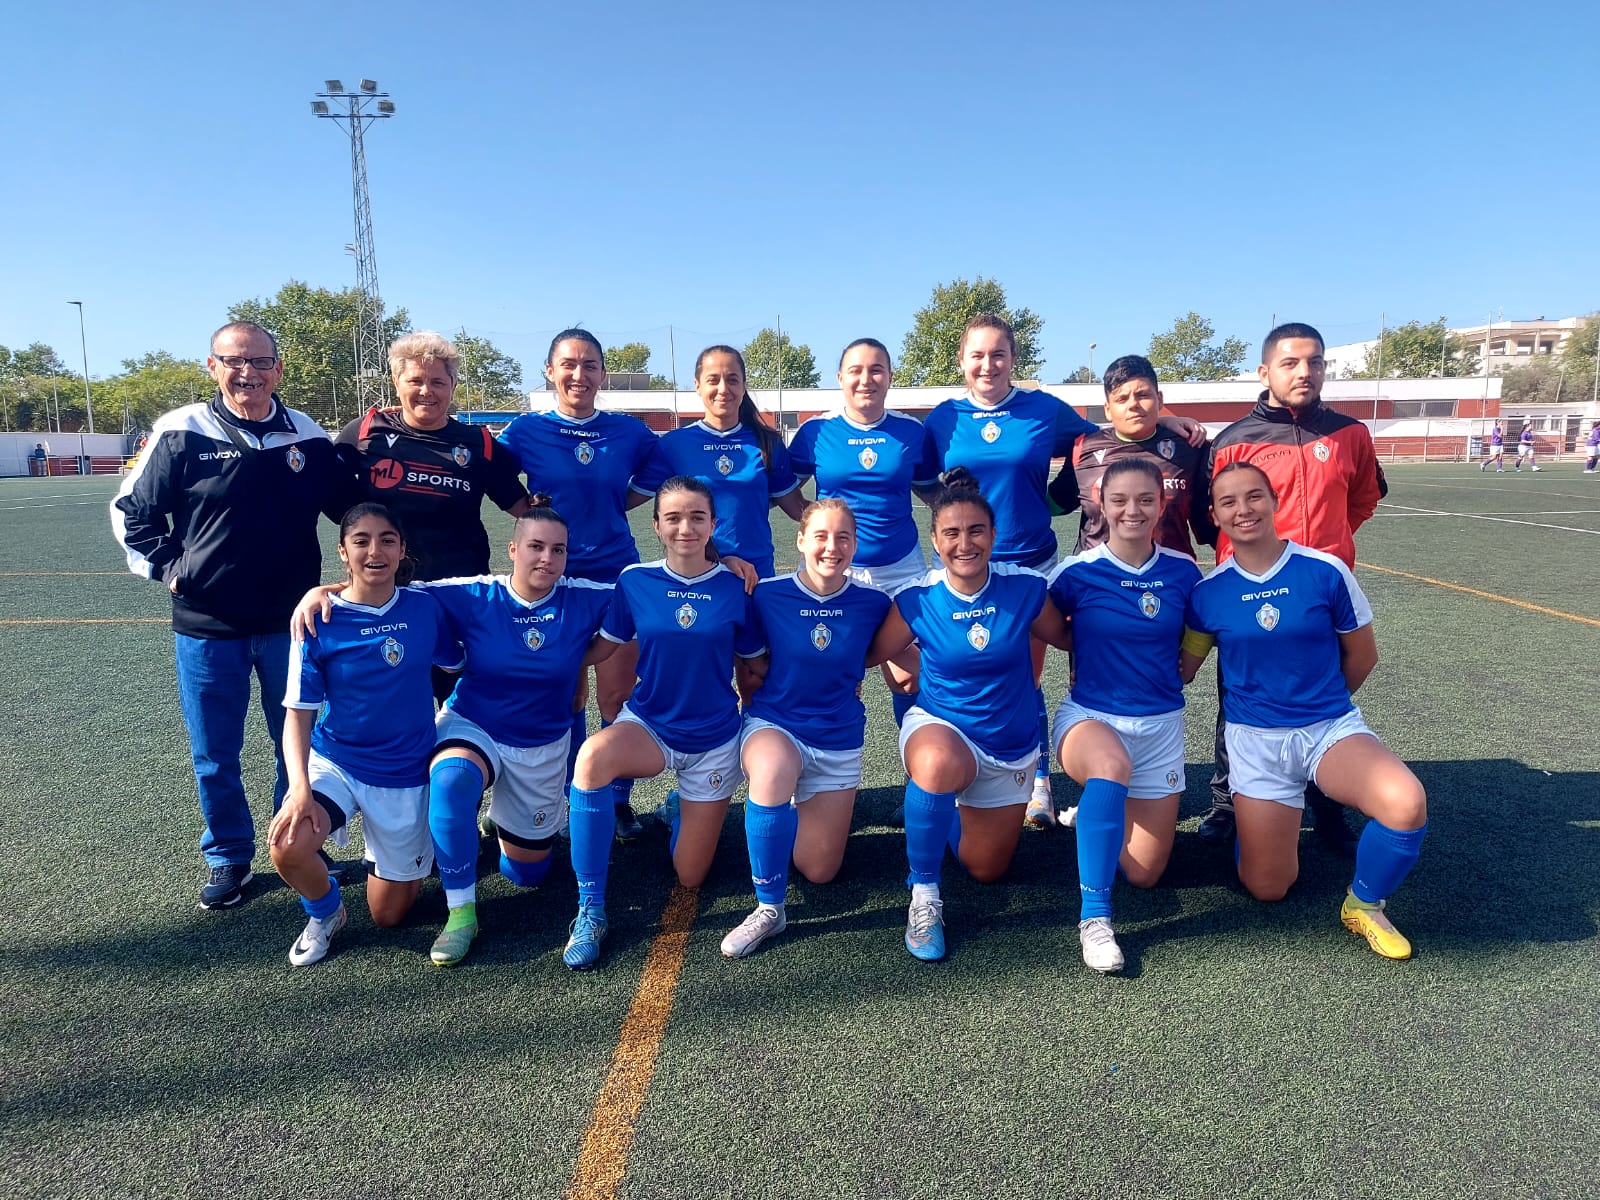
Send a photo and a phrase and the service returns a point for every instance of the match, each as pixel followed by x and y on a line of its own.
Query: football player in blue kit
pixel 366 684
pixel 584 460
pixel 692 620
pixel 969 744
pixel 873 460
pixel 736 454
pixel 801 742
pixel 1007 438
pixel 1295 635
pixel 1119 732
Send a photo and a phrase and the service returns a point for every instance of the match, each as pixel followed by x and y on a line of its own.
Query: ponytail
pixel 766 435
pixel 958 485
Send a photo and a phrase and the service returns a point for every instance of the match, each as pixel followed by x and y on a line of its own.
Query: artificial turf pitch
pixel 153 1049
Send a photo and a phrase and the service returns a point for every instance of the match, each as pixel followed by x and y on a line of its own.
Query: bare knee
pixel 1267 886
pixel 825 872
pixel 388 916
pixel 290 858
pixel 985 870
pixel 1143 875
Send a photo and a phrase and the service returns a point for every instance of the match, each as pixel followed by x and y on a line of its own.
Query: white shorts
pixel 1523 449
pixel 710 775
pixel 529 797
pixel 998 783
pixel 394 821
pixel 1154 746
pixel 891 576
pixel 1276 764
pixel 820 770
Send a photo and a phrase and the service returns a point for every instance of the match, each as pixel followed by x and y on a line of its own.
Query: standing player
pixel 692 620
pixel 1592 449
pixel 873 460
pixel 1497 451
pixel 1525 448
pixel 1295 634
pixel 585 460
pixel 801 742
pixel 969 744
pixel 1324 469
pixel 366 683
pixel 1119 732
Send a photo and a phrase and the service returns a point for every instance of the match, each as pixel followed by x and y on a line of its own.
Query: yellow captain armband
pixel 1197 644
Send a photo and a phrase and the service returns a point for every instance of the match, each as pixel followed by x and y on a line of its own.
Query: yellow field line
pixel 1456 587
pixel 609 1138
pixel 87 621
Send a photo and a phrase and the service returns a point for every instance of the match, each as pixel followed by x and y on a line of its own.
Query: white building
pixel 1509 344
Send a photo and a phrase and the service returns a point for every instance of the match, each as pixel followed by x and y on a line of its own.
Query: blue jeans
pixel 214 690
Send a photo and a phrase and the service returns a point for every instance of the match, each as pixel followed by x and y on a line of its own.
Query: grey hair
pixel 424 346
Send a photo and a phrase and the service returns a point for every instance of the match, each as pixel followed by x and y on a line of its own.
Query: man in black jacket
pixel 222 507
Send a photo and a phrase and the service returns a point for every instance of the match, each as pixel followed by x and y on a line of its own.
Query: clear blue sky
pixel 709 166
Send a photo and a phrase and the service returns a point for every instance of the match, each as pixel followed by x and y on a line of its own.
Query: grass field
pixel 1250 1050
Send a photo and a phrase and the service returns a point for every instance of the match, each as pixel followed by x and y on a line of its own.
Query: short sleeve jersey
pixel 1278 636
pixel 1127 625
pixel 819 650
pixel 1525 438
pixel 977 668
pixel 1184 479
pixel 872 468
pixel 434 480
pixel 1497 438
pixel 1008 447
pixel 585 468
pixel 729 462
pixel 523 658
pixel 689 630
pixel 371 668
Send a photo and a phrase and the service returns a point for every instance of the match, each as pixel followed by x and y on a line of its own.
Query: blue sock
pixel 1384 857
pixel 324 908
pixel 455 786
pixel 770 833
pixel 593 824
pixel 1100 830
pixel 902 705
pixel 1042 770
pixel 621 789
pixel 927 831
pixel 575 739
pixel 525 874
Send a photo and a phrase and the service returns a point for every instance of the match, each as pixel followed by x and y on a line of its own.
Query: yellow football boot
pixel 1369 921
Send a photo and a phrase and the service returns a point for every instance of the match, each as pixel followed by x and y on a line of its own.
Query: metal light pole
pixel 355 111
pixel 88 402
pixel 1092 345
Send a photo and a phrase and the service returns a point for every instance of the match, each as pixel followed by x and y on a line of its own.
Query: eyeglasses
pixel 235 362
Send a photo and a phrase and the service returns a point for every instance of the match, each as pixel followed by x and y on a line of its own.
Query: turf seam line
pixel 1457 587
pixel 86 621
pixel 606 1143
pixel 1437 512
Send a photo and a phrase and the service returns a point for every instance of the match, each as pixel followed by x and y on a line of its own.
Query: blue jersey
pixel 688 632
pixel 1009 447
pixel 872 468
pixel 1127 623
pixel 819 652
pixel 1278 636
pixel 372 669
pixel 977 668
pixel 585 468
pixel 730 463
pixel 523 660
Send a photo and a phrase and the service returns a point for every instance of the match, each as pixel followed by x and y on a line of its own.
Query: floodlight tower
pixel 355 111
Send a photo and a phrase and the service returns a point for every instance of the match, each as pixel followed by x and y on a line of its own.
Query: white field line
pixel 1409 511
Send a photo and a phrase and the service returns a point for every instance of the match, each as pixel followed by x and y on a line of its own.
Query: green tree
pixel 150 385
pixel 1418 351
pixel 315 329
pixel 930 356
pixel 1082 375
pixel 1578 357
pixel 32 380
pixel 772 360
pixel 1542 381
pixel 487 375
pixel 634 358
pixel 1186 351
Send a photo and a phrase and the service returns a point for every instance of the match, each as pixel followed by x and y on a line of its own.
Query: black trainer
pixel 225 887
pixel 1217 826
pixel 628 827
pixel 334 866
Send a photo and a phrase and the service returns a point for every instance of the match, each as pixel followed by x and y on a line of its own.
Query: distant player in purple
pixel 1592 449
pixel 1497 451
pixel 1525 448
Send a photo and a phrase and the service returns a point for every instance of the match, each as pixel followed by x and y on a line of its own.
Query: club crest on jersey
pixel 724 464
pixel 584 453
pixel 460 455
pixel 1019 778
pixel 685 616
pixel 392 652
pixel 868 458
pixel 715 779
pixel 978 636
pixel 1267 617
pixel 533 639
pixel 821 636
pixel 295 459
pixel 1149 603
pixel 991 432
pixel 540 817
pixel 1172 779
pixel 1321 451
pixel 1166 447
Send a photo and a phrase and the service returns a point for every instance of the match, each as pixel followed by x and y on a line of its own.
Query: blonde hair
pixel 425 347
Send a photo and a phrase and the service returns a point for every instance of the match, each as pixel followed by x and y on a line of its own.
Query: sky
pixel 709 168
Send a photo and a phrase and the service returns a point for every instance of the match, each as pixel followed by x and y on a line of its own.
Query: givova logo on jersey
pixel 392 652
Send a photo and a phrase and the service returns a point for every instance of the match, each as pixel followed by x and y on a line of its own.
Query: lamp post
pixel 88 402
pixel 1092 345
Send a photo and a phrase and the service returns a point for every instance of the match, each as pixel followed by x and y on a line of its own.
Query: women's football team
pixel 702 670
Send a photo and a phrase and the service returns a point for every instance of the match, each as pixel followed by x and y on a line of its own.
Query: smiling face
pixel 865 378
pixel 1133 408
pixel 538 555
pixel 425 390
pixel 720 385
pixel 1131 502
pixel 1243 506
pixel 246 389
pixel 827 545
pixel 684 522
pixel 986 364
pixel 371 550
pixel 1294 372
pixel 578 372
pixel 963 537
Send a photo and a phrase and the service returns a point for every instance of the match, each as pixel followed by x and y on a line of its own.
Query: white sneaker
pixel 1100 950
pixel 1538 468
pixel 1041 811
pixel 1069 819
pixel 312 944
pixel 765 922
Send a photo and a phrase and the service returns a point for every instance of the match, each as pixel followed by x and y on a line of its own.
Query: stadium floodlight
pixel 369 86
pixel 333 85
pixel 386 107
pixel 88 400
pixel 320 107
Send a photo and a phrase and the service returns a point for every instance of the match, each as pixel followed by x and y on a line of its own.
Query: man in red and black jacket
pixel 1325 470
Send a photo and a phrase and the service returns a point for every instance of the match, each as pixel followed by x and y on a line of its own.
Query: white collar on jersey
pixel 700 578
pixel 338 598
pixel 819 596
pixel 1288 552
pixel 1000 403
pixel 561 416
pixel 943 576
pixel 855 424
pixel 721 433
